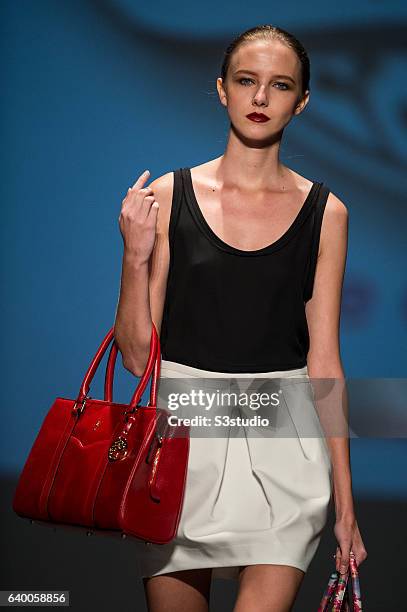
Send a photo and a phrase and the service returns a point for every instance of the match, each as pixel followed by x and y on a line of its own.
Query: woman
pixel 253 287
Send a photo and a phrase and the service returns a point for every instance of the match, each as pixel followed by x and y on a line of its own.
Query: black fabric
pixel 229 310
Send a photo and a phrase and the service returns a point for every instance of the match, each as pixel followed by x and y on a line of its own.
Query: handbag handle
pixel 334 592
pixel 110 368
pixel 337 589
pixel 356 597
pixel 153 363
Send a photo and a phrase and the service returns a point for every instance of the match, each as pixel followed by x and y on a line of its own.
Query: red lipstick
pixel 258 117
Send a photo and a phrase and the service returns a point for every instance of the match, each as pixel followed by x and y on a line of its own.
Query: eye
pixel 245 79
pixel 281 83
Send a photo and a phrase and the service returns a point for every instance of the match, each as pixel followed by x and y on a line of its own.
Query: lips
pixel 258 117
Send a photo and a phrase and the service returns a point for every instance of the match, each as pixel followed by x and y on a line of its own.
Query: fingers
pixel 141 199
pixel 342 559
pixel 152 208
pixel 344 563
pixel 359 555
pixel 141 180
pixel 138 186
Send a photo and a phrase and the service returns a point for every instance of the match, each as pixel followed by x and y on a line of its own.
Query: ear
pixel 302 103
pixel 221 91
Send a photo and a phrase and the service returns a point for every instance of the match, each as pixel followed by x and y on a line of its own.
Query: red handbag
pixel 337 597
pixel 108 466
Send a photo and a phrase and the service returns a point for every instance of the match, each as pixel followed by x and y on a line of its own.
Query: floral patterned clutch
pixel 337 596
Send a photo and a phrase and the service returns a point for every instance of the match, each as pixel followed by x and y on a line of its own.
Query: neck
pixel 250 166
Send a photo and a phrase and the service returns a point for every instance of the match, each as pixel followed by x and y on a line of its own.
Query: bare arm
pixel 144 276
pixel 323 315
pixel 324 362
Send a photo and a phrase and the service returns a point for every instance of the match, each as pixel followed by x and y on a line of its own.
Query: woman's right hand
pixel 137 219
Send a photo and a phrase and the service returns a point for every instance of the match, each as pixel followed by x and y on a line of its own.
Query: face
pixel 258 81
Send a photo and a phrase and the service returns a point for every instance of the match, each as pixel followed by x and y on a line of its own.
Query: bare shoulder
pixel 336 213
pixel 335 221
pixel 163 184
pixel 163 187
pixel 336 208
pixel 300 183
pixel 205 173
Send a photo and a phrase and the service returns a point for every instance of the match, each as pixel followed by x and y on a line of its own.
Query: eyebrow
pixel 278 76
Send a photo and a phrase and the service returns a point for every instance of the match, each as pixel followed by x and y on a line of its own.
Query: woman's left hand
pixel 349 539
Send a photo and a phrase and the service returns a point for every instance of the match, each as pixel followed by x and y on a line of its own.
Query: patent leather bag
pixel 108 466
pixel 342 593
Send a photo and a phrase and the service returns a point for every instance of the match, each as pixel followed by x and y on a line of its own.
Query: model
pixel 239 262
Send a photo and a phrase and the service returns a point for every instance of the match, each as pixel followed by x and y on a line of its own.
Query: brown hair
pixel 270 32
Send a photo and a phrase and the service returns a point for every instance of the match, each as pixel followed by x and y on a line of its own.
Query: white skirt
pixel 248 500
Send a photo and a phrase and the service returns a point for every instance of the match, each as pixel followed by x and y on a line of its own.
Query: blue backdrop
pixel 95 92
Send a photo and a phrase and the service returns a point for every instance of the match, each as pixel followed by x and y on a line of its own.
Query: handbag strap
pixel 334 592
pixel 356 597
pixel 152 366
pixel 337 591
pixel 110 368
pixel 329 591
pixel 340 592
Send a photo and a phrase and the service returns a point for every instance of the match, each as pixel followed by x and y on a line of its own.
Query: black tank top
pixel 229 310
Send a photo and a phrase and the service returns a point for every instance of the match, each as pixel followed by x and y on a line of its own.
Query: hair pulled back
pixel 270 32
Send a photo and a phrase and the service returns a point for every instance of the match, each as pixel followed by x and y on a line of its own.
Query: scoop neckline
pixel 200 218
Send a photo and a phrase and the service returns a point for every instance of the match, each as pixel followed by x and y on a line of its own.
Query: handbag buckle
pixel 78 411
pixel 156 443
pixel 133 410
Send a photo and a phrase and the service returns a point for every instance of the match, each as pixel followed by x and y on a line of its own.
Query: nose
pixel 260 99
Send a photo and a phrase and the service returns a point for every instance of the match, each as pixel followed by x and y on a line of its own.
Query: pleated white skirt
pixel 249 500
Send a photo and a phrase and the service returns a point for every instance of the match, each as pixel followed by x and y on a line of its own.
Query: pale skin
pixel 249 199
